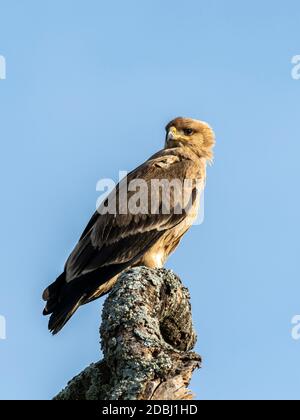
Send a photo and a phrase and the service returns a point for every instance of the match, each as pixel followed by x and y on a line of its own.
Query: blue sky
pixel 89 88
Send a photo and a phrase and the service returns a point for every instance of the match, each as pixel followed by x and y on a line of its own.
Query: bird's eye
pixel 188 132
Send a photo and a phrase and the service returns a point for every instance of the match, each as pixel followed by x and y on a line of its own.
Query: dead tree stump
pixel 147 337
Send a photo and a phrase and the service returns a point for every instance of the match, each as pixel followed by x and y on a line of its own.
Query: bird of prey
pixel 114 241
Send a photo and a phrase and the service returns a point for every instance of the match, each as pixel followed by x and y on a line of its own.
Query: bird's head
pixel 195 134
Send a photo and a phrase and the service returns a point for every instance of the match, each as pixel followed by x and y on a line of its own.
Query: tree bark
pixel 147 336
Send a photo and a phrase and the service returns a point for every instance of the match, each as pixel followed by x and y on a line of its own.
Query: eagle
pixel 130 236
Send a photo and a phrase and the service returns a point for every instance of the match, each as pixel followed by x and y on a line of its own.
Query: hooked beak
pixel 172 134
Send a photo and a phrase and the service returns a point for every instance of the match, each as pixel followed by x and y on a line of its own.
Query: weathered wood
pixel 147 337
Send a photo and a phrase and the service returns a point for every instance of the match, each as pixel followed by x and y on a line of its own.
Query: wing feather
pixel 119 238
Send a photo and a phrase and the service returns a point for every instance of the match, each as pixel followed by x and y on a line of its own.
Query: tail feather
pixel 59 319
pixel 63 299
pixel 52 292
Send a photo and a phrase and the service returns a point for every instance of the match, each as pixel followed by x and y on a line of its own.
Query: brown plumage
pixel 114 242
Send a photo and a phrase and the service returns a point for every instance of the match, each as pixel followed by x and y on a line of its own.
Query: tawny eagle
pixel 114 241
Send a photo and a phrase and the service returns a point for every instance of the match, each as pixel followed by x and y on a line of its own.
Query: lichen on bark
pixel 146 336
